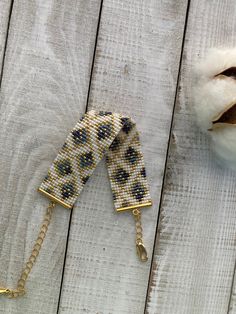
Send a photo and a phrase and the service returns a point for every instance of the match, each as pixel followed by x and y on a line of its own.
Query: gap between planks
pixel 88 95
pixel 2 62
pixel 96 79
pixel 8 45
pixel 87 103
pixel 167 154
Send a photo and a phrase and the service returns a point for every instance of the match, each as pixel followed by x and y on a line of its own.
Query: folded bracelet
pixel 95 135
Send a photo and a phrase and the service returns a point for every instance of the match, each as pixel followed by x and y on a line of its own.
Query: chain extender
pixel 20 289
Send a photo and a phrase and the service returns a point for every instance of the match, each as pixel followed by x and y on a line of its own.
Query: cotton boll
pixel 214 95
pixel 216 61
pixel 210 98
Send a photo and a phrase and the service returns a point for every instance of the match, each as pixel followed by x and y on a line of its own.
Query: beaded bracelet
pixel 95 135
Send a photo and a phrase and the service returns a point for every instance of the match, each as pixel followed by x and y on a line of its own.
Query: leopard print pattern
pixel 95 135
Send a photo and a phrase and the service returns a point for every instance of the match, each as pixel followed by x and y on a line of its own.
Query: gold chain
pixel 141 250
pixel 20 290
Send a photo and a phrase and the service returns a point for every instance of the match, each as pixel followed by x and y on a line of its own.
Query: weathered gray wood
pixel 195 249
pixel 135 73
pixel 44 91
pixel 5 6
pixel 232 299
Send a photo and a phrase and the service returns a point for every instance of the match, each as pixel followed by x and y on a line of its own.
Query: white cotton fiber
pixel 213 96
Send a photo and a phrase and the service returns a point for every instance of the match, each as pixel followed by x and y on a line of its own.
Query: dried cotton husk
pixel 214 95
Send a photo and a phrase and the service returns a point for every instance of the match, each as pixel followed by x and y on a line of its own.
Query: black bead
pixel 64 146
pixel 85 179
pixel 104 131
pixel 143 172
pixel 46 178
pixel 127 125
pixel 67 190
pixel 121 176
pixel 115 144
pixel 64 167
pixel 48 190
pixel 138 191
pixel 125 204
pixel 104 113
pixel 79 136
pixel 131 155
pixel 86 160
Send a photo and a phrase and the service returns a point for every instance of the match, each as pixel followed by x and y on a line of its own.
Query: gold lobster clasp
pixel 141 251
pixel 4 291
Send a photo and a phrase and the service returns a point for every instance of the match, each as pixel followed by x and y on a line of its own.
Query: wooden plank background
pixel 44 92
pixel 61 58
pixel 195 249
pixel 135 72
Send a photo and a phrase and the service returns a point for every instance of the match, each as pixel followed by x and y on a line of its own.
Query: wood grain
pixel 232 299
pixel 44 91
pixel 135 73
pixel 5 8
pixel 195 248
